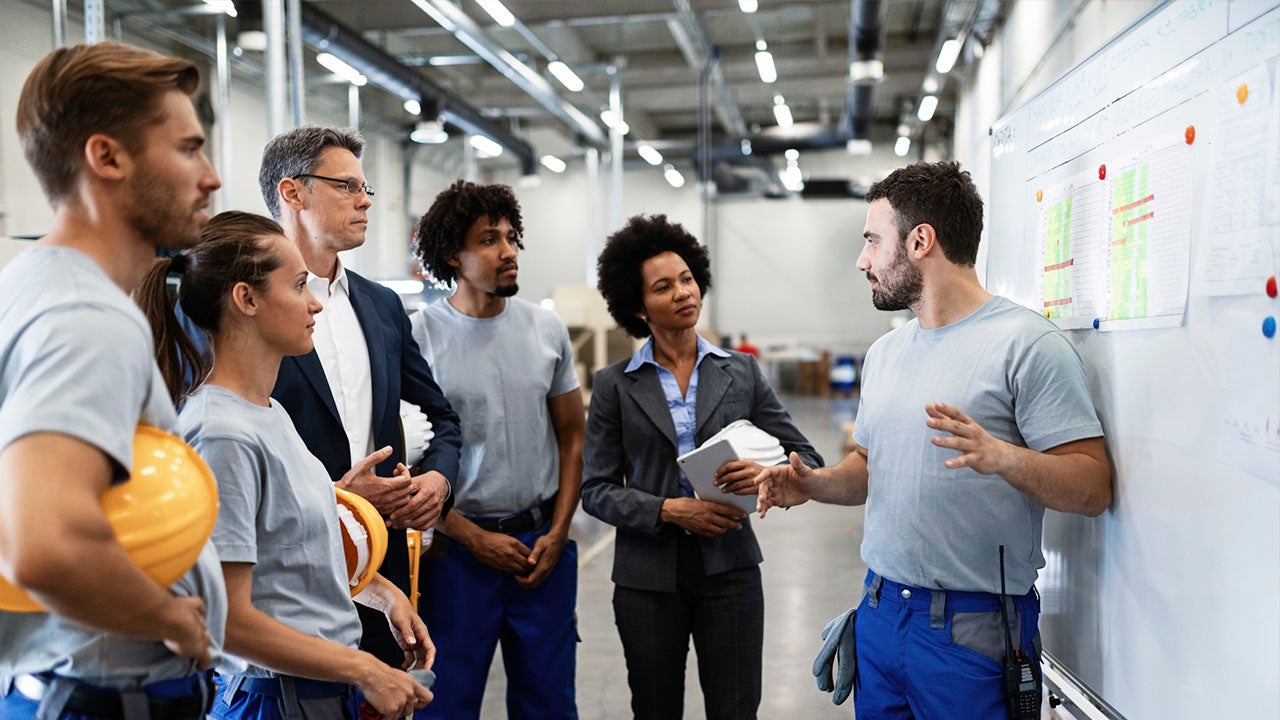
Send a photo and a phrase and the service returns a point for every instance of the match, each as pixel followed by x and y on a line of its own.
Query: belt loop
pixel 873 590
pixel 134 704
pixel 938 609
pixel 230 689
pixel 289 698
pixel 1015 622
pixel 205 681
pixel 6 685
pixel 56 695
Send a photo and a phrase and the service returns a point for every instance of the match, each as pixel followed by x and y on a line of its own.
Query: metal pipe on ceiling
pixel 451 17
pixel 866 39
pixel 324 33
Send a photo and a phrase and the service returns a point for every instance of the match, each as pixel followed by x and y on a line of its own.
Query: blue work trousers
pixel 16 706
pixel 937 655
pixel 470 608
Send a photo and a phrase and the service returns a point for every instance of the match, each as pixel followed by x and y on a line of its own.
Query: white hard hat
pixel 751 443
pixel 415 431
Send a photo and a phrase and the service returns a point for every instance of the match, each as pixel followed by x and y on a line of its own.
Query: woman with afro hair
pixel 683 566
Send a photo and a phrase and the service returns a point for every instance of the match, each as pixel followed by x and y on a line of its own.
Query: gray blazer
pixel 630 462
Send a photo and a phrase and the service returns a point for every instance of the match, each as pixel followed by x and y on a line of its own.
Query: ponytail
pixel 179 360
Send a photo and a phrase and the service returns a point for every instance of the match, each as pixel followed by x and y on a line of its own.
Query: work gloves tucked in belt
pixel 839 647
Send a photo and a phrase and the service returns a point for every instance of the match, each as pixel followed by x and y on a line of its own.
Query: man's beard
pixel 506 291
pixel 900 286
pixel 156 217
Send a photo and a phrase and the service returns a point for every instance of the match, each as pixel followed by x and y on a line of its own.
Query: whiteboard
pixel 1168 605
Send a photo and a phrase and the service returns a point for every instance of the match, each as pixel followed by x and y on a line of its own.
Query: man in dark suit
pixel 344 396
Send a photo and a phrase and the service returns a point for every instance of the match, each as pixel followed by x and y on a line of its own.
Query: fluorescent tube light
pixel 485 147
pixel 553 163
pixel 566 76
pixel 650 154
pixel 498 12
pixel 673 176
pixel 341 69
pixel 928 104
pixel 947 56
pixel 782 113
pixel 902 146
pixel 764 64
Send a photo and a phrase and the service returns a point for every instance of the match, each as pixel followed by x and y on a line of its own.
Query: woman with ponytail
pixel 292 629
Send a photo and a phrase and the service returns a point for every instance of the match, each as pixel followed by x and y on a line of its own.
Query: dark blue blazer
pixel 397 371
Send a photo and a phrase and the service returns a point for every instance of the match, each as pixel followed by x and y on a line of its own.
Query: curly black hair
pixel 442 231
pixel 618 270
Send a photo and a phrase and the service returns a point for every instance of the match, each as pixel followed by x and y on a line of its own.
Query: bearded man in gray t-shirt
pixel 113 138
pixel 974 417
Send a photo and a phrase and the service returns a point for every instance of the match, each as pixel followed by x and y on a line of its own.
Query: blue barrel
pixel 844 374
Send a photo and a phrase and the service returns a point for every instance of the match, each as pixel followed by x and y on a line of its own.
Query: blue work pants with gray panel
pixel 470 608
pixel 937 654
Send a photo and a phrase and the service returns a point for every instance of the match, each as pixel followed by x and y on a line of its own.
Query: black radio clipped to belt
pixel 1021 676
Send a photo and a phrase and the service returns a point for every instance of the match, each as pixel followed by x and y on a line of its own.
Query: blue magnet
pixel 1096 323
pixel 1269 326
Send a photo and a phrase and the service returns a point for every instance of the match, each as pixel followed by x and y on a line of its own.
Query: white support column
pixel 353 106
pixel 222 115
pixel 593 213
pixel 59 23
pixel 277 92
pixel 615 151
pixel 297 80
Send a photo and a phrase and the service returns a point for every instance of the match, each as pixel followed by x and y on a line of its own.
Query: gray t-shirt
pixel 278 512
pixel 498 374
pixel 1016 375
pixel 75 359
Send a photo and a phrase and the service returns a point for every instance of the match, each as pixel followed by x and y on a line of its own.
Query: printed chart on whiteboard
pixel 1115 242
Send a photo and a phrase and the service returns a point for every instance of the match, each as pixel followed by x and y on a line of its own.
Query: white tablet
pixel 700 466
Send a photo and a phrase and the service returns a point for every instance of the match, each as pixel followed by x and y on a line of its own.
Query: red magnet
pixel 1190 134
pixel 1271 286
pixel 1039 195
pixel 1102 172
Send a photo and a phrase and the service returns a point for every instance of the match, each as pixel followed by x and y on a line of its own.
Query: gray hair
pixel 297 152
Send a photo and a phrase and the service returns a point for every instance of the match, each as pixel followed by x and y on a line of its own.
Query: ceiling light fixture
pixel 224 6
pixel 782 113
pixel 566 76
pixel 673 176
pixel 553 163
pixel 413 107
pixel 485 147
pixel 748 6
pixel 764 63
pixel 947 56
pixel 928 104
pixel 649 153
pixel 858 146
pixel 341 69
pixel 429 132
pixel 902 146
pixel 498 12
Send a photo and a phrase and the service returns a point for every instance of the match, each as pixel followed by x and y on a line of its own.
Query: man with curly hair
pixel 509 573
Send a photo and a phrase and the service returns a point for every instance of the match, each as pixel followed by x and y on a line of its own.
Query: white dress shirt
pixel 344 355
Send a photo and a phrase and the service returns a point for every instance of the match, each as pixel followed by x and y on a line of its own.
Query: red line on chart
pixel 1120 242
pixel 1059 266
pixel 1059 301
pixel 1140 218
pixel 1132 205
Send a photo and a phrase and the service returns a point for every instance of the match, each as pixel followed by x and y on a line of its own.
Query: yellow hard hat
pixel 163 514
pixel 364 539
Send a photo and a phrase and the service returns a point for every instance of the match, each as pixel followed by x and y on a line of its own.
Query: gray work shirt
pixel 278 512
pixel 1017 376
pixel 498 374
pixel 75 359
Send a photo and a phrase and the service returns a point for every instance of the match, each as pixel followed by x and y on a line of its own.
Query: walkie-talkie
pixel 1021 676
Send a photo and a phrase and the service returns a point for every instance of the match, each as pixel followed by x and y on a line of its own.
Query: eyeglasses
pixel 351 185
